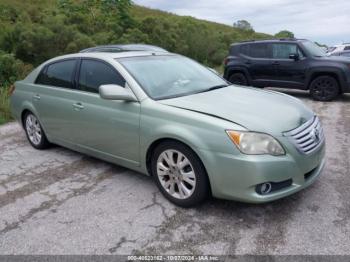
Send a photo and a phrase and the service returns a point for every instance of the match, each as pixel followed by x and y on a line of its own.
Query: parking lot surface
pixel 61 202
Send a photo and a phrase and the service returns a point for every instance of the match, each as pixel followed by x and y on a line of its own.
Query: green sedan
pixel 165 115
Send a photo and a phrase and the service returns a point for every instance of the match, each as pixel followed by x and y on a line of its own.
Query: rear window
pixel 58 74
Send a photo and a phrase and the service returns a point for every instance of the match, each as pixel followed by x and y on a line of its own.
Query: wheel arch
pixel 24 112
pixel 27 107
pixel 158 141
pixel 242 70
pixel 332 73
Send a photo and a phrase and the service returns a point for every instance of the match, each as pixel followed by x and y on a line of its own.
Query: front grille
pixel 307 137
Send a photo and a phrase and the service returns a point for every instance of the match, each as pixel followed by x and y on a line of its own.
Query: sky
pixel 324 21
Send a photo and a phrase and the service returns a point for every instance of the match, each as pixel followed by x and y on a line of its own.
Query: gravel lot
pixel 61 202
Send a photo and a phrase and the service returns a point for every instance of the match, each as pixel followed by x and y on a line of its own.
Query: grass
pixel 5 113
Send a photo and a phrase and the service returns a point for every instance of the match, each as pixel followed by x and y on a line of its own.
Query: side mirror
pixel 295 57
pixel 116 92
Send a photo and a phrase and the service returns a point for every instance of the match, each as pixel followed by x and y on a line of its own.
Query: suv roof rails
pixel 272 39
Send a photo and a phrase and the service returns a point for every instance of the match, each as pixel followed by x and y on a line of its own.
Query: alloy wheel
pixel 176 174
pixel 324 88
pixel 33 129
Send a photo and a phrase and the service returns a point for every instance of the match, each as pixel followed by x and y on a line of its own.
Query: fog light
pixel 264 188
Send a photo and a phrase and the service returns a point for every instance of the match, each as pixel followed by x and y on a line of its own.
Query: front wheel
pixel 34 132
pixel 179 174
pixel 324 88
pixel 238 79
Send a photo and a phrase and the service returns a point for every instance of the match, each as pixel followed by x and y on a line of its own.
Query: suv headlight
pixel 252 143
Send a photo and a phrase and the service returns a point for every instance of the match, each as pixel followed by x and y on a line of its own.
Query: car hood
pixel 257 110
pixel 341 59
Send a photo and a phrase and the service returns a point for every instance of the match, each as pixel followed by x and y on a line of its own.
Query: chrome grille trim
pixel 308 137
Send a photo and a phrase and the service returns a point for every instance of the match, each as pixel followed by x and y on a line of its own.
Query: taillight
pixel 11 90
pixel 226 61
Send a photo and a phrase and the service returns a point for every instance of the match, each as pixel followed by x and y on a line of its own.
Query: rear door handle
pixel 78 106
pixel 248 62
pixel 276 63
pixel 36 97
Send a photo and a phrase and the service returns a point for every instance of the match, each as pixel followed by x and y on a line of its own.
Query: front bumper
pixel 235 177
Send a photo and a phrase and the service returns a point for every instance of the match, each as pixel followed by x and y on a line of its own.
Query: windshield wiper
pixel 213 88
pixel 216 87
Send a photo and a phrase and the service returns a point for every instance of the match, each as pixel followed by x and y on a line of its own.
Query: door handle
pixel 276 63
pixel 36 97
pixel 248 62
pixel 78 106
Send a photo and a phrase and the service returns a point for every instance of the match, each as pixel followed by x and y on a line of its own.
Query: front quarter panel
pixel 196 130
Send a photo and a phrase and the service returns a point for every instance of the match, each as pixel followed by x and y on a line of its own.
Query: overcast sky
pixel 325 21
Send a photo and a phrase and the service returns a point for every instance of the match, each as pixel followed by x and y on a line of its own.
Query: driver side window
pixel 282 51
pixel 95 73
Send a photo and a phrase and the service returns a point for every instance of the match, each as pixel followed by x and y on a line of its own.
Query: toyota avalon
pixel 167 116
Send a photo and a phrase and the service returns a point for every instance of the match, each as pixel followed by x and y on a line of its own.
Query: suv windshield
pixel 314 49
pixel 171 75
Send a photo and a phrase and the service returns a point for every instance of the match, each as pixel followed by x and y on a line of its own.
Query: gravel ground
pixel 61 202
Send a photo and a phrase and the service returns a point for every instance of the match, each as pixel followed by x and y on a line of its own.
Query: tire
pixel 34 131
pixel 238 79
pixel 182 190
pixel 324 88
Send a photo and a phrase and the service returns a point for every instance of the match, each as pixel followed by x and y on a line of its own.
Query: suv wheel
pixel 34 132
pixel 238 79
pixel 324 88
pixel 179 174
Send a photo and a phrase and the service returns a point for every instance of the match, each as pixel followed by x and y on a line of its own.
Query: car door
pixel 288 72
pixel 258 61
pixel 108 127
pixel 53 98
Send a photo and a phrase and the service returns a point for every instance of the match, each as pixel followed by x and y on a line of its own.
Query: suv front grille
pixel 307 137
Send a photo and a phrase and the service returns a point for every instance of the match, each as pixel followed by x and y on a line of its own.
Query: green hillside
pixel 33 31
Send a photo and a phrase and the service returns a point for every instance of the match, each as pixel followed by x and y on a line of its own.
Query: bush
pixel 11 70
pixel 35 31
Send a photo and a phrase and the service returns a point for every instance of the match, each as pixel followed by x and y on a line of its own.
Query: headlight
pixel 256 143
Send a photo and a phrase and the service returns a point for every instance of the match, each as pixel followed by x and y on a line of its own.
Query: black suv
pixel 288 63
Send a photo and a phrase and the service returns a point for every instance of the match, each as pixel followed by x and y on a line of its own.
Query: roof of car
pixel 106 55
pixel 270 41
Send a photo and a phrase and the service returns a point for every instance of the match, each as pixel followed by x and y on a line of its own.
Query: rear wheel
pixel 34 132
pixel 238 79
pixel 324 88
pixel 179 174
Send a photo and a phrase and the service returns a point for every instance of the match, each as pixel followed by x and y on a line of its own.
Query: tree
pixel 244 25
pixel 284 34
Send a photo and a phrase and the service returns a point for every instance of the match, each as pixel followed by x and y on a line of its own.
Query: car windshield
pixel 171 76
pixel 314 49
